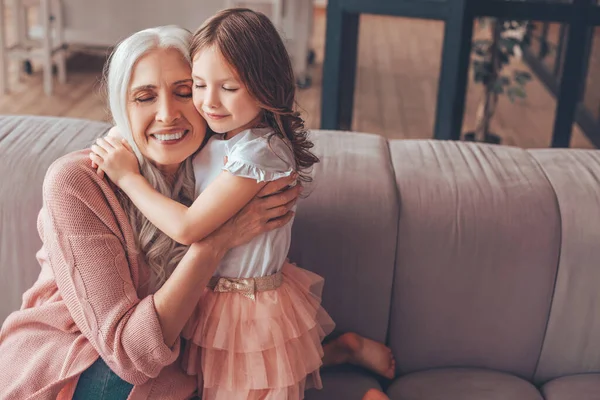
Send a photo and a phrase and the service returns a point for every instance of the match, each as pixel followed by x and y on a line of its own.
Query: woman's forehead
pixel 159 67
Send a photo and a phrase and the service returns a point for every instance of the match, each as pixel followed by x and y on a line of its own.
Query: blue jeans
pixel 98 382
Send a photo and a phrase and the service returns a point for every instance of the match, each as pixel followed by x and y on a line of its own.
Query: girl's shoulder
pixel 263 151
pixel 256 136
pixel 261 145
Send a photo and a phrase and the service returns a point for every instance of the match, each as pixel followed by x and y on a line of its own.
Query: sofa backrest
pixel 478 246
pixel 346 229
pixel 28 145
pixel 572 342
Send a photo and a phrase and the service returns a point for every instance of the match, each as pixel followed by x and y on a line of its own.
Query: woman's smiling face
pixel 165 125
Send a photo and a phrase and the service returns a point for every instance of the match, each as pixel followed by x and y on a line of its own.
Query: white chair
pixel 50 48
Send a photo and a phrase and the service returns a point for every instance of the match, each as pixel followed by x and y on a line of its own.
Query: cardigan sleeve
pixel 93 274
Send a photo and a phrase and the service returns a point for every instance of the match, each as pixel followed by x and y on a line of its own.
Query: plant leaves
pixel 498 88
pixel 522 77
pixel 482 42
pixel 520 92
pixel 504 59
pixel 516 91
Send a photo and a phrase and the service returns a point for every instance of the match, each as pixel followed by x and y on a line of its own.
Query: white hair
pixel 162 254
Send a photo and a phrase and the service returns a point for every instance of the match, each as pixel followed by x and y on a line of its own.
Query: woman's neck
pixel 169 172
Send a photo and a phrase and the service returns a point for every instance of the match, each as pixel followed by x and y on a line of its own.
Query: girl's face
pixel 220 96
pixel 164 123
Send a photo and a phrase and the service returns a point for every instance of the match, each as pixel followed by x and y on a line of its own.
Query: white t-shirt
pixel 257 154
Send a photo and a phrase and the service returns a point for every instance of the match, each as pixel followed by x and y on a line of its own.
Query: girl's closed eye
pixel 227 89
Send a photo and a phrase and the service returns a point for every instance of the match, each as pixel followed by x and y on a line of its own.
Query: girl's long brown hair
pixel 250 43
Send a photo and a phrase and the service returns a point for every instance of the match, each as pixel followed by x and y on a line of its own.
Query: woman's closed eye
pixel 144 99
pixel 182 93
pixel 185 93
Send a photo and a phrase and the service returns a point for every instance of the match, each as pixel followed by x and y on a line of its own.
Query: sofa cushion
pixel 572 342
pixel 345 229
pixel 478 242
pixel 462 384
pixel 345 383
pixel 580 387
pixel 28 145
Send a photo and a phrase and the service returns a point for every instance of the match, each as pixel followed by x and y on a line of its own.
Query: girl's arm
pixel 220 201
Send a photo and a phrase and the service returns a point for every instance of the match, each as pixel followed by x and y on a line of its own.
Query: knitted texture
pixel 90 299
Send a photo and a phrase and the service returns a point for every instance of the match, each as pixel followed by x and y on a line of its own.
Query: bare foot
pixel 374 394
pixel 354 349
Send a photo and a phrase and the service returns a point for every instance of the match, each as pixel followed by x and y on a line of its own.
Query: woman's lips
pixel 169 137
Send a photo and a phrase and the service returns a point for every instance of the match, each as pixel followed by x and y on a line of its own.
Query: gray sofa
pixel 478 265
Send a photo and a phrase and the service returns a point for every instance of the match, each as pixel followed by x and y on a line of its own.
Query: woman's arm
pixel 137 337
pixel 92 264
pixel 220 201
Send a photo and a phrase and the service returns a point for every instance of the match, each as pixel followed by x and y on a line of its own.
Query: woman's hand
pixel 115 157
pixel 270 209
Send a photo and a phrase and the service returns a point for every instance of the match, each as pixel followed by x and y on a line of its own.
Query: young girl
pixel 258 332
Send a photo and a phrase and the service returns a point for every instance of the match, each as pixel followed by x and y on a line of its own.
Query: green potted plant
pixel 490 57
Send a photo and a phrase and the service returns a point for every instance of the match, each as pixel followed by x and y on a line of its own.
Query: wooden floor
pixel 396 89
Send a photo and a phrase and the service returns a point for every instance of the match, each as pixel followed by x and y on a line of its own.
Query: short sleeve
pixel 264 157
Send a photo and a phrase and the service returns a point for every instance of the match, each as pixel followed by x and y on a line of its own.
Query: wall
pixel 103 23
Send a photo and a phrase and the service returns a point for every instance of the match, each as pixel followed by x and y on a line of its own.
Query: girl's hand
pixel 115 157
pixel 270 209
pixel 112 132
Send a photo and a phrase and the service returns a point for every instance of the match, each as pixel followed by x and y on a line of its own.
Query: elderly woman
pixel 104 318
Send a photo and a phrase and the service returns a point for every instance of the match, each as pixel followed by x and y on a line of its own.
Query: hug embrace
pixel 164 270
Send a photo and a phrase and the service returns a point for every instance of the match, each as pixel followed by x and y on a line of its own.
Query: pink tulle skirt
pixel 267 348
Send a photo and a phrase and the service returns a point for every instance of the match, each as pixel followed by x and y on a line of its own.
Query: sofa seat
pixel 580 387
pixel 462 384
pixel 344 382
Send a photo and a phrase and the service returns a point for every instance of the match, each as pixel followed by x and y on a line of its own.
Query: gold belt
pixel 246 286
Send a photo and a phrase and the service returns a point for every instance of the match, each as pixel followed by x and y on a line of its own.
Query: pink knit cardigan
pixel 90 299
